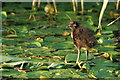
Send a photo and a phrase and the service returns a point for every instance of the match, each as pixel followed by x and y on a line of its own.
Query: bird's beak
pixel 68 26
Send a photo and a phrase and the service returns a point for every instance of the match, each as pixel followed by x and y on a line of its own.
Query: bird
pixel 49 9
pixel 82 37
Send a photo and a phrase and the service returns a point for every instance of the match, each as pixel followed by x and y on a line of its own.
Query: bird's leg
pixel 78 57
pixel 86 54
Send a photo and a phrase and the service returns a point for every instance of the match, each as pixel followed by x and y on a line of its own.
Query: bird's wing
pixel 83 37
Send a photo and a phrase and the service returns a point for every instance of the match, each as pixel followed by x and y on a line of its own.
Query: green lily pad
pixel 73 57
pixel 34 44
pixel 3 15
pixel 86 66
pixel 105 42
pixel 8 58
pixel 54 39
pixel 12 64
pixel 55 65
pixel 42 51
pixel 43 68
pixel 63 52
pixel 104 64
pixel 78 72
pixel 106 32
pixel 14 73
pixel 103 74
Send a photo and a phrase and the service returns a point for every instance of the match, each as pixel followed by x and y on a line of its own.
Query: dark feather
pixel 83 38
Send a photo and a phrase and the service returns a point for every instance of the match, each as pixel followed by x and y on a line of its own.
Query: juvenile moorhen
pixel 83 38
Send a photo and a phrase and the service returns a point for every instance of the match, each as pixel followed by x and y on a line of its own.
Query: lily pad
pixel 103 74
pixel 8 58
pixel 73 57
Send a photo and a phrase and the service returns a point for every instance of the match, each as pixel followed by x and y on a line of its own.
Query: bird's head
pixel 73 24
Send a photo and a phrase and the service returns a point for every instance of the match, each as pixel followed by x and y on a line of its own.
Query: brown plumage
pixel 83 38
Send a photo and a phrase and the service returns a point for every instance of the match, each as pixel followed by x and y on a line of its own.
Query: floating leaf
pixel 86 66
pixel 12 64
pixel 34 44
pixel 73 57
pixel 103 74
pixel 23 29
pixel 63 52
pixel 14 73
pixel 43 68
pixel 92 76
pixel 42 51
pixel 105 55
pixel 39 39
pixel 32 32
pixel 55 65
pixel 104 64
pixel 44 78
pixel 105 42
pixel 3 15
pixel 78 72
pixel 8 58
pixel 11 36
pixel 54 39
pixel 106 32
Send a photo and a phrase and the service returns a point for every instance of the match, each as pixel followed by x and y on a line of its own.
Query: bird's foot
pixel 78 62
pixel 65 61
